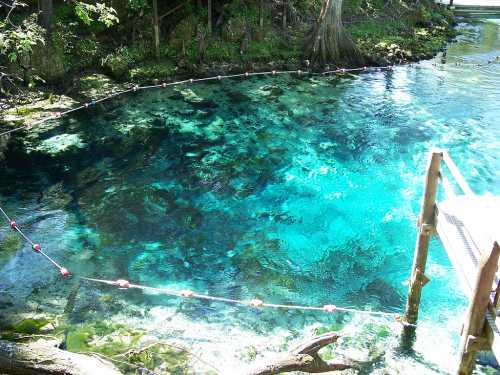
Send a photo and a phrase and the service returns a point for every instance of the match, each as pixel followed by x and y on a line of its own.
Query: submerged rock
pixel 189 96
pixel 215 129
pixel 60 144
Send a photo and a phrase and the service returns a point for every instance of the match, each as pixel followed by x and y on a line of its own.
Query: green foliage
pixel 100 337
pixel 27 326
pixel 398 39
pixel 148 71
pixel 118 63
pixel 78 52
pixel 16 41
pixel 88 12
pixel 137 5
pixel 222 51
pixel 116 339
pixel 403 31
pixel 270 48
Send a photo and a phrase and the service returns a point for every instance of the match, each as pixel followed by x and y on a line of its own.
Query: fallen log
pixel 305 358
pixel 42 359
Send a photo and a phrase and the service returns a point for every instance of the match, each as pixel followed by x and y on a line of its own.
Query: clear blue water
pixel 289 189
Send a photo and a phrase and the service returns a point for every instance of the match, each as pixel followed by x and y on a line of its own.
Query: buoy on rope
pixel 122 284
pixel 256 303
pixel 64 272
pixel 13 225
pixel 187 293
pixel 36 247
pixel 329 308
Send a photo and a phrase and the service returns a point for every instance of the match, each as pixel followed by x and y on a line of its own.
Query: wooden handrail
pixel 455 172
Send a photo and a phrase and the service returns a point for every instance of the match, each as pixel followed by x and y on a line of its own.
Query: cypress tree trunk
pixel 329 42
pixel 156 28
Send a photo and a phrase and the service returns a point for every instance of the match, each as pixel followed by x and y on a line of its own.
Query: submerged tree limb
pixel 305 358
pixel 39 359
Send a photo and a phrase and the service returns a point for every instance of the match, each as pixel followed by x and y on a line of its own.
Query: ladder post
pixel 426 226
pixel 473 332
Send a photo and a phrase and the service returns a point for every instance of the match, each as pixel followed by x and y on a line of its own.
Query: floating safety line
pixel 124 284
pixel 238 75
pixel 255 303
pixel 136 88
pixel 495 60
pixel 37 248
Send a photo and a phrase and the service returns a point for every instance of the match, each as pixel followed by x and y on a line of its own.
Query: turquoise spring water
pixel 290 189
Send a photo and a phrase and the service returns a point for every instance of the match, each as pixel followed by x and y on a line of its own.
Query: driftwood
pixel 305 358
pixel 38 359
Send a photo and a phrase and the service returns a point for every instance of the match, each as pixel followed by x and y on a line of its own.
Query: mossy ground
pixel 128 348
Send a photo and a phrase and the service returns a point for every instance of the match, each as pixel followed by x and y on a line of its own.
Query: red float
pixel 64 272
pixel 123 284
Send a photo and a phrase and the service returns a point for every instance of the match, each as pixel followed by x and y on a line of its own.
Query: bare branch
pixel 305 358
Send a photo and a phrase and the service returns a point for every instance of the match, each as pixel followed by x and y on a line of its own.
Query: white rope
pixel 124 284
pixel 192 80
pixel 255 303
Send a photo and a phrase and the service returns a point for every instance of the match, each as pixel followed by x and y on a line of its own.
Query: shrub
pixel 118 63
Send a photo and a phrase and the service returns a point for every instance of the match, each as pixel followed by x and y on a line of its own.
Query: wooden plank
pixel 458 244
pixel 467 226
pixel 425 228
pixel 455 172
pixel 473 331
pixel 493 334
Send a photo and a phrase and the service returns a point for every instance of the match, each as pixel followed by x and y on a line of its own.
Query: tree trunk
pixel 156 27
pixel 285 9
pixel 329 42
pixel 261 16
pixel 37 359
pixel 209 18
pixel 46 14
